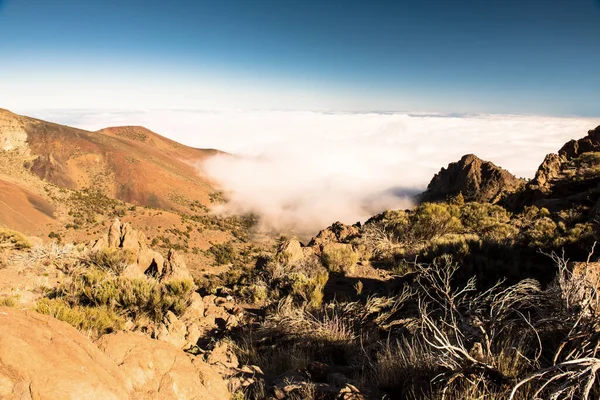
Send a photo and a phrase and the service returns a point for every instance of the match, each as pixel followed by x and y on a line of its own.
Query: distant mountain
pixel 476 179
pixel 132 164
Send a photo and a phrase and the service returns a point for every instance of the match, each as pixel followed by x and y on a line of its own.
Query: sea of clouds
pixel 301 171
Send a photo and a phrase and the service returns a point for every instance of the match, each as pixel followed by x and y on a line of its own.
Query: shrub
pixel 96 320
pixel 134 297
pixel 308 289
pixel 13 239
pixel 224 253
pixel 339 258
pixel 9 301
pixel 110 260
pixel 431 220
pixel 256 293
pixel 487 220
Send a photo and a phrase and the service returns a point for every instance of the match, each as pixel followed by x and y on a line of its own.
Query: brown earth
pixel 71 183
pixel 22 210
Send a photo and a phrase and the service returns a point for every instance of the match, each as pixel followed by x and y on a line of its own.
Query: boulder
pixel 43 358
pixel 474 178
pixel 158 370
pixel 291 250
pixel 172 330
pixel 114 234
pixel 175 268
pixel 222 354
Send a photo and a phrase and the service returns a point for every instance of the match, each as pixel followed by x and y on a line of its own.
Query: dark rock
pixel 476 179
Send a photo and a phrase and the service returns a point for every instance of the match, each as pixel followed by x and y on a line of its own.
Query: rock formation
pixel 158 370
pixel 476 179
pixel 43 358
pixel 568 177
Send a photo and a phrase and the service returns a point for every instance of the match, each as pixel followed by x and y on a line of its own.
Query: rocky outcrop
pixel 574 148
pixel 145 261
pixel 175 268
pixel 12 133
pixel 43 358
pixel 476 179
pixel 336 233
pixel 158 370
pixel 569 177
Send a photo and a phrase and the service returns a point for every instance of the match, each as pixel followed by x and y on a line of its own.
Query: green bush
pixel 224 253
pixel 98 320
pixel 339 258
pixel 110 260
pixel 308 288
pixel 134 297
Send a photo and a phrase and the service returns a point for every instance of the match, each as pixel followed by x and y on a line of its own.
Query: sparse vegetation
pixel 10 239
pixel 95 321
pixel 131 297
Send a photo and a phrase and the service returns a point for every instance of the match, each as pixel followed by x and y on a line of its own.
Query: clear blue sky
pixel 512 56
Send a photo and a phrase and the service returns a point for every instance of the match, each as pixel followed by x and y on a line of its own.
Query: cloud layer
pixel 304 170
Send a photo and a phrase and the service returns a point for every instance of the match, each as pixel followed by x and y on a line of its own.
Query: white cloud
pixel 308 169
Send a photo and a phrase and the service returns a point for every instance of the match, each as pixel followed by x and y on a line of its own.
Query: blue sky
pixel 525 56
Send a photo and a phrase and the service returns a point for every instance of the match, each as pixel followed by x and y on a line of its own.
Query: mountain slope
pixel 67 183
pixel 153 172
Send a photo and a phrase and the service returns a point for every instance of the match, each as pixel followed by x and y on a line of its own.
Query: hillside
pixel 131 164
pixel 59 182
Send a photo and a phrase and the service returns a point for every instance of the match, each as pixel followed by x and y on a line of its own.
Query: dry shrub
pixel 110 260
pixel 13 240
pixel 9 301
pixel 339 258
pixel 133 297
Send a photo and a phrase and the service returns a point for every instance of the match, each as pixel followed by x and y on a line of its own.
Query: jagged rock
pixel 567 178
pixel 130 239
pixel 175 268
pixel 574 148
pixel 99 245
pixel 172 330
pixel 547 171
pixel 43 358
pixel 158 370
pixel 336 233
pixel 133 271
pixel 476 179
pixel 195 310
pixel 114 234
pixel 152 262
pixel 292 250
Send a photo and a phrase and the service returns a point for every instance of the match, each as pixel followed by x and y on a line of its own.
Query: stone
pixel 474 178
pixel 43 358
pixel 173 331
pixel 291 250
pixel 175 268
pixel 114 234
pixel 158 370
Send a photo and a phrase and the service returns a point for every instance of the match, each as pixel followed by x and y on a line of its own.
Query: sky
pixel 463 56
